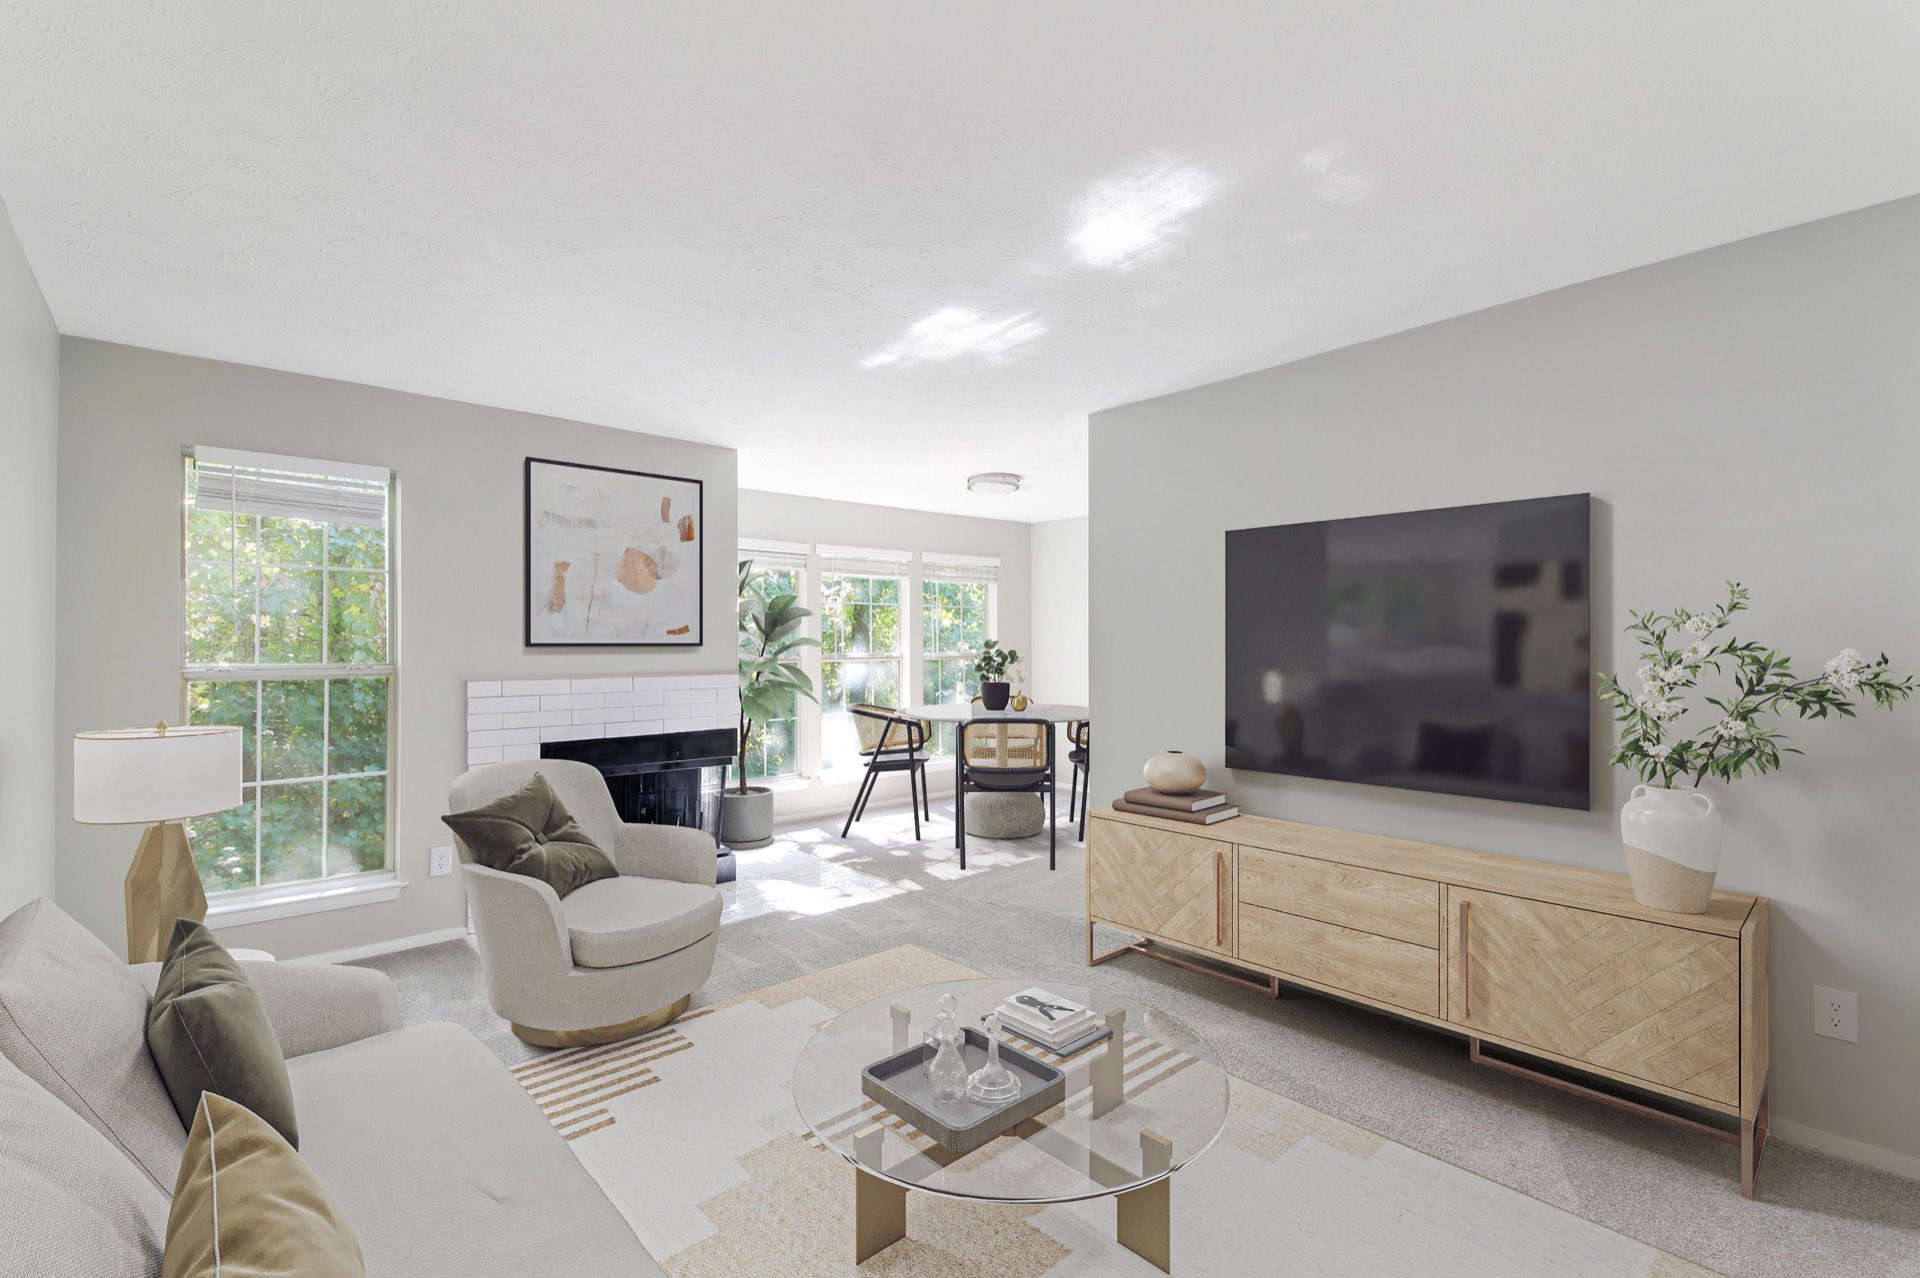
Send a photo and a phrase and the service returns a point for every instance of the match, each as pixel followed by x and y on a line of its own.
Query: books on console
pixel 1190 801
pixel 1207 816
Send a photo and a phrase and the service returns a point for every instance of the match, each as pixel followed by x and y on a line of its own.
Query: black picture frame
pixel 695 635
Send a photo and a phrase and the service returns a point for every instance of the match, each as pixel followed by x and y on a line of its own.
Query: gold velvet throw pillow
pixel 245 1205
pixel 531 832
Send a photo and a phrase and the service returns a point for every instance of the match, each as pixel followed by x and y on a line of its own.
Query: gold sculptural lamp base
pixel 157 777
pixel 163 885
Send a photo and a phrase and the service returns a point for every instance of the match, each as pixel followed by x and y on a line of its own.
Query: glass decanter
pixel 946 1063
pixel 993 1083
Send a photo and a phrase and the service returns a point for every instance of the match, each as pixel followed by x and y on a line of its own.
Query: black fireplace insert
pixel 669 778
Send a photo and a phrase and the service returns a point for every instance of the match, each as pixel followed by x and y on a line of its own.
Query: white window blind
pixel 938 567
pixel 853 561
pixel 773 556
pixel 290 487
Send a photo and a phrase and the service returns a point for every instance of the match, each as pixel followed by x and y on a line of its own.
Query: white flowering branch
pixel 1678 647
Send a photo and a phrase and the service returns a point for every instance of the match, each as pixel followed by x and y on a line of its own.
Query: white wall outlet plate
pixel 1836 1013
pixel 440 861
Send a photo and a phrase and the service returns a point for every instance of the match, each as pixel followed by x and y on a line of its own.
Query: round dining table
pixel 1007 816
pixel 950 712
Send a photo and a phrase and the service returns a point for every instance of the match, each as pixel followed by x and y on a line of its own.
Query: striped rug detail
pixel 573 1085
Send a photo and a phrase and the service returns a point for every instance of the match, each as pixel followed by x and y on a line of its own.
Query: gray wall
pixel 29 423
pixel 1752 412
pixel 1060 610
pixel 126 413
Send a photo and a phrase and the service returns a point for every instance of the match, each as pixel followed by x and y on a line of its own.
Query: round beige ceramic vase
pixel 1171 772
pixel 1672 840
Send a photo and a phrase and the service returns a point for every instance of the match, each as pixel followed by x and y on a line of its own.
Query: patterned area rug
pixel 692 1133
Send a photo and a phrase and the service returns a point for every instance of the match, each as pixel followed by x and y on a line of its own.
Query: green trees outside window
pixel 867 618
pixel 861 650
pixel 954 618
pixel 288 635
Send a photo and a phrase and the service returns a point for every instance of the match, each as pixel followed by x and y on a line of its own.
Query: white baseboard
pixel 354 952
pixel 1854 1151
pixel 833 813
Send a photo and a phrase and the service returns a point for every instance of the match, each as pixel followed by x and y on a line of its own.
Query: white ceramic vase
pixel 1672 840
pixel 1171 772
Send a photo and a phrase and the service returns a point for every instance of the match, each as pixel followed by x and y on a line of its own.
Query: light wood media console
pixel 1538 960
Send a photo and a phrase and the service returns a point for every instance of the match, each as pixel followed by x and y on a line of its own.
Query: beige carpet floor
pixel 813 901
pixel 692 1132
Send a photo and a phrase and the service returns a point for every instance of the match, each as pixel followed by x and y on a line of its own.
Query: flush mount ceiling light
pixel 998 482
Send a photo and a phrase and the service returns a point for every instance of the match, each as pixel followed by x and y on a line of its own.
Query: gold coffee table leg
pixel 1145 1216
pixel 879 1206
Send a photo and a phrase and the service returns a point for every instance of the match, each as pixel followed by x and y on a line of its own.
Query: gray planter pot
pixel 746 820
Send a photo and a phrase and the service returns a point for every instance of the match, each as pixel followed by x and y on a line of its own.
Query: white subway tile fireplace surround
pixel 509 718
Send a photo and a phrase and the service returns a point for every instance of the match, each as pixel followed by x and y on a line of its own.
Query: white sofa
pixel 441 1162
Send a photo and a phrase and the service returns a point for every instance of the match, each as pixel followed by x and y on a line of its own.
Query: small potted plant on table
pixel 990 666
pixel 770 682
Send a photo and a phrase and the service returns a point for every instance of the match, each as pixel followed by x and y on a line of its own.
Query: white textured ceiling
pixel 876 246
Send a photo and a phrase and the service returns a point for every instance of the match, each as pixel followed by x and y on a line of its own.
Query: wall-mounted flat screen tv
pixel 1439 650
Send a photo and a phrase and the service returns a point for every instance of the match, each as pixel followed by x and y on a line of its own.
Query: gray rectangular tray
pixel 899 1082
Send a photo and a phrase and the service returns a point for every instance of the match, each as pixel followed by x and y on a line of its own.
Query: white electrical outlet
pixel 440 861
pixel 1836 1014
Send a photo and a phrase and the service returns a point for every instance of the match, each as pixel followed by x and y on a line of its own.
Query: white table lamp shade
pixel 136 776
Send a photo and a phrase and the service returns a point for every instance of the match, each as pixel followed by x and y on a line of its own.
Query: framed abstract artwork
pixel 612 557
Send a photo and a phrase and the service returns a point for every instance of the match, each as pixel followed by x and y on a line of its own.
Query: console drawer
pixel 1341 958
pixel 1390 905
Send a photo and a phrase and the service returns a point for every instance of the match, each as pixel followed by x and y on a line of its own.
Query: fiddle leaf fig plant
pixel 991 663
pixel 1663 738
pixel 771 679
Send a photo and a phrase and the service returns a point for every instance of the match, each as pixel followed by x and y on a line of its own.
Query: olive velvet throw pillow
pixel 531 832
pixel 208 1032
pixel 246 1206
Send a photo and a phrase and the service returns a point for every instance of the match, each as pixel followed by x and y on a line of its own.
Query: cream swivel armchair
pixel 612 959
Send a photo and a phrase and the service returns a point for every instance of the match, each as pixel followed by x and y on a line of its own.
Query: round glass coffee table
pixel 1138 1107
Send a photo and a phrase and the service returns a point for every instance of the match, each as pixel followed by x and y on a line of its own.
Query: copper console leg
pixel 1270 986
pixel 1752 1137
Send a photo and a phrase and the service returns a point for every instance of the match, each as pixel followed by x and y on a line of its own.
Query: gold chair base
pixel 603 1033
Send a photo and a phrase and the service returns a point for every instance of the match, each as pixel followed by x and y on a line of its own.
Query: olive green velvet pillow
pixel 531 832
pixel 208 1032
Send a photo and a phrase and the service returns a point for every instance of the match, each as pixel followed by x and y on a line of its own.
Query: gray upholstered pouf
pixel 1005 816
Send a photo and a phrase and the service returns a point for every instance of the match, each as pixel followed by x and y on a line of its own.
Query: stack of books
pixel 1048 1019
pixel 1201 807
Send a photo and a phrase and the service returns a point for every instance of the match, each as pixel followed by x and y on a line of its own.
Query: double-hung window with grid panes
pixel 862 645
pixel 289 634
pixel 956 618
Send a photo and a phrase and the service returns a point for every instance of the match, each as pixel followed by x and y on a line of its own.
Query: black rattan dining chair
pixel 1004 756
pixel 1080 755
pixel 891 742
